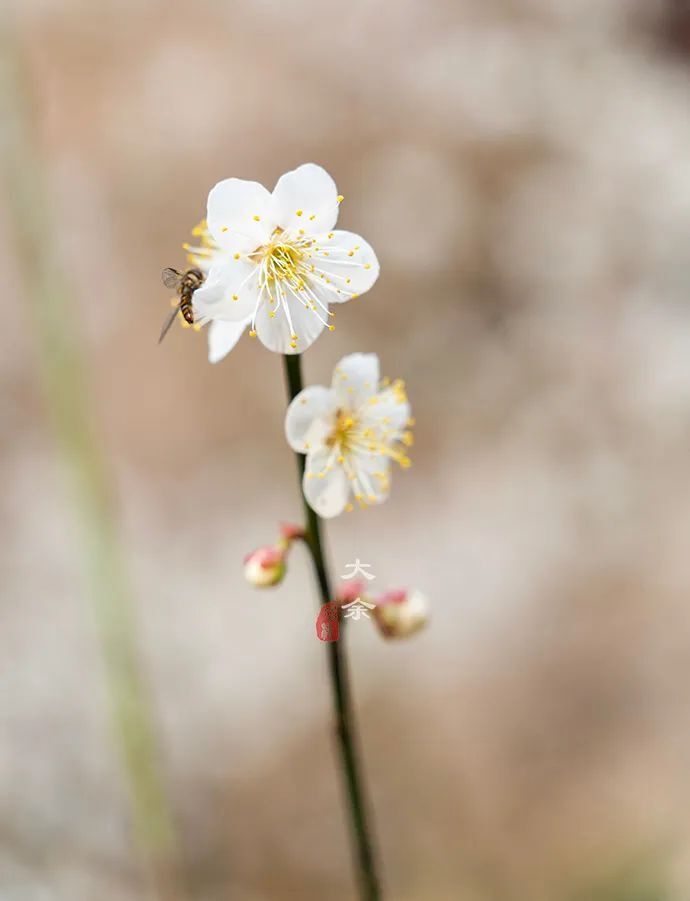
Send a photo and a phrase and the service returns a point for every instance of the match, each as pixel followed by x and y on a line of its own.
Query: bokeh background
pixel 521 167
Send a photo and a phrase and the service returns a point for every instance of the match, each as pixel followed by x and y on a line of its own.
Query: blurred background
pixel 521 167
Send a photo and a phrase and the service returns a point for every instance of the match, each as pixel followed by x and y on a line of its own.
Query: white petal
pixel 233 208
pixel 386 410
pixel 275 332
pixel 326 491
pixel 355 379
pixel 372 476
pixel 309 418
pixel 306 198
pixel 222 337
pixel 230 291
pixel 345 265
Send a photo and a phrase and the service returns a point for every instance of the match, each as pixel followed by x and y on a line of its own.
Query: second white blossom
pixel 350 433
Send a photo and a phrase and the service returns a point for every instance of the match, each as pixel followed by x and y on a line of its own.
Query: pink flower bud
pixel 349 591
pixel 264 567
pixel 400 613
pixel 290 531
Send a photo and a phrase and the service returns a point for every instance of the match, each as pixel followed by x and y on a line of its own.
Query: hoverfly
pixel 185 284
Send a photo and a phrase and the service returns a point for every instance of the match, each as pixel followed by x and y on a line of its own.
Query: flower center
pixel 345 426
pixel 282 262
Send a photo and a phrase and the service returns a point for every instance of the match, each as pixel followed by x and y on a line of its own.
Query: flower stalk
pixel 345 729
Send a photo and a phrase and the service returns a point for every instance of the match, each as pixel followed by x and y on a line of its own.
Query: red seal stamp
pixel 327 624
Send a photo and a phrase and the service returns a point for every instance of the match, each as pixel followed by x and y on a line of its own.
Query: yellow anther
pixel 312 217
pixel 294 337
pixel 371 498
pixel 257 218
pixel 331 328
pixel 293 344
pixel 349 508
pixel 407 439
pixel 341 459
pixel 330 235
pixel 321 475
pixel 271 314
pixel 347 281
pixel 340 198
pixel 350 253
pixel 235 297
pixel 252 333
pixel 299 212
pixel 367 265
pixel 411 421
pixel 301 231
pixel 225 228
pixel 236 256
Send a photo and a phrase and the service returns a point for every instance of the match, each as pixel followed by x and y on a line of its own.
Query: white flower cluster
pixel 274 263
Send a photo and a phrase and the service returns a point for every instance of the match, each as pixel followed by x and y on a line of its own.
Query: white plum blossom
pixel 275 262
pixel 350 433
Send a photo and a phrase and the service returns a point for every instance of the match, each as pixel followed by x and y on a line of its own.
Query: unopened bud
pixel 350 591
pixel 290 531
pixel 400 613
pixel 264 567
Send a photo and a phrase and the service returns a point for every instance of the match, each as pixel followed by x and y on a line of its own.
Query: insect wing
pixel 171 278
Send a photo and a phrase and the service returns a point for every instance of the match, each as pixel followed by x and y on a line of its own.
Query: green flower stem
pixel 345 729
pixel 64 382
